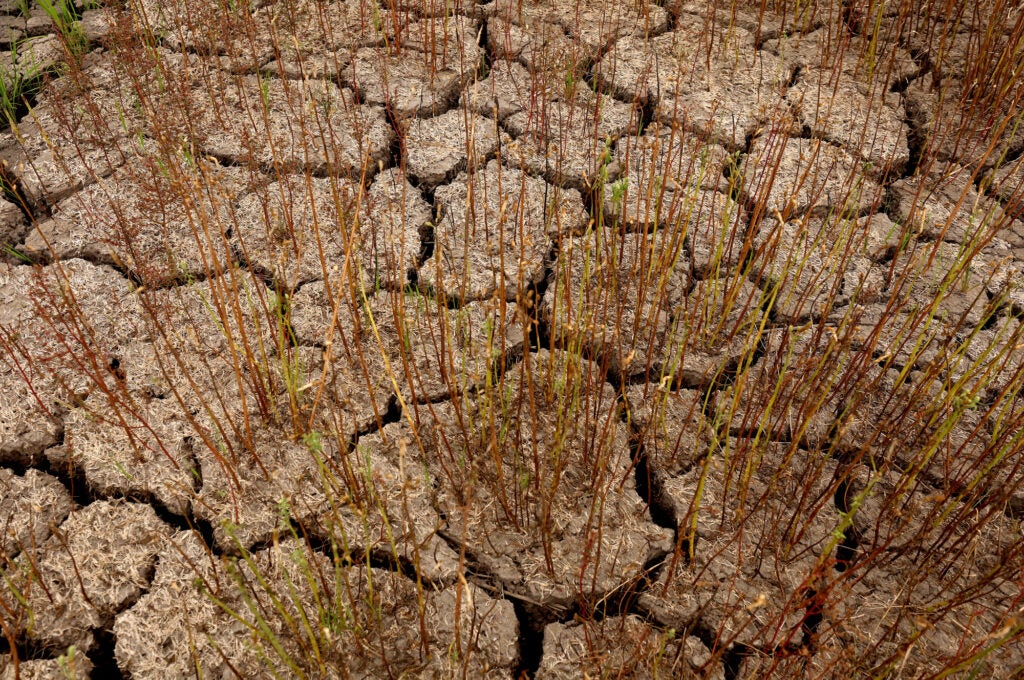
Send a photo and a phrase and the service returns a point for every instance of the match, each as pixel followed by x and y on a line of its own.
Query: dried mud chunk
pixel 26 430
pixel 53 319
pixel 667 158
pixel 616 295
pixel 813 54
pixel 718 322
pixel 207 28
pixel 312 40
pixel 100 566
pixel 725 93
pixel 358 382
pixel 944 206
pixel 622 645
pixel 158 635
pixel 73 665
pixel 865 120
pixel 30 505
pixel 759 20
pixel 874 629
pixel 1005 183
pixel 508 89
pixel 795 176
pixel 953 127
pixel 34 56
pixel 567 142
pixel 392 513
pixel 142 450
pixel 164 232
pixel 754 546
pixel 541 46
pixel 947 281
pixel 807 269
pixel 51 161
pixel 595 24
pixel 423 73
pixel 204 344
pixel 670 426
pixel 440 352
pixel 373 607
pixel 439 148
pixel 309 125
pixel 251 489
pixel 493 236
pixel 792 393
pixel 1006 286
pixel 297 226
pixel 552 521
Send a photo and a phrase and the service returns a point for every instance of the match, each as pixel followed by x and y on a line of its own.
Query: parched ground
pixel 512 339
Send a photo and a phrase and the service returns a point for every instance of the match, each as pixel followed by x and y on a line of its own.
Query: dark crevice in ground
pixel 531 639
pixel 102 656
pixel 647 481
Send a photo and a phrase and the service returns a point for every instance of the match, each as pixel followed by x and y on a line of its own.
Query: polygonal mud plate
pixel 666 157
pixel 670 426
pixel 718 323
pixel 615 296
pixel 358 385
pixel 758 532
pixel 944 205
pixel 882 607
pixel 13 224
pixel 953 131
pixel 51 162
pixel 595 24
pixel 421 70
pixel 495 230
pixel 162 230
pixel 759 20
pixel 72 665
pixel 534 476
pixel 355 608
pixel 795 176
pixel 948 281
pixel 625 645
pixel 446 351
pixel 213 345
pixel 30 505
pixel 100 565
pixel 887 65
pixel 207 28
pixel 1005 182
pixel 251 489
pixel 508 88
pixel 26 429
pixel 436 149
pixel 725 93
pixel 809 267
pixel 791 393
pixel 141 449
pixel 302 228
pixel 388 509
pixel 430 350
pixel 63 325
pixel 540 46
pixel 865 120
pixel 291 125
pixel 312 40
pixel 567 142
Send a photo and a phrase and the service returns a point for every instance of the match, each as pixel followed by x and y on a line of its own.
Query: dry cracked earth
pixel 446 210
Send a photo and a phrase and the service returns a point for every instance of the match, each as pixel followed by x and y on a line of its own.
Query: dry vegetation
pixel 529 338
